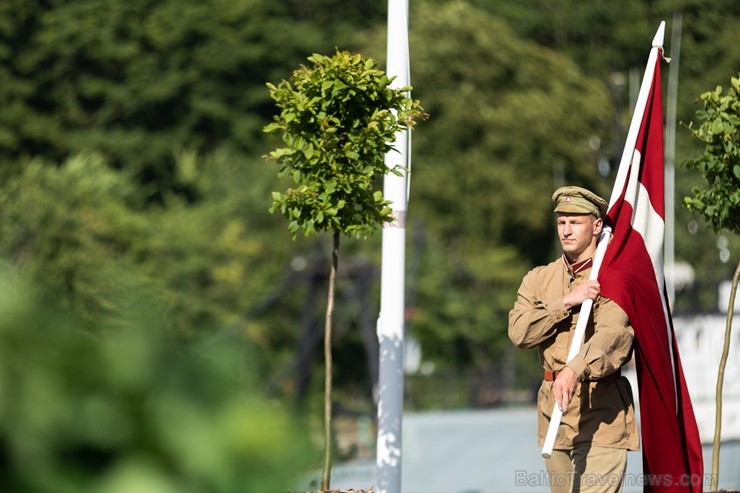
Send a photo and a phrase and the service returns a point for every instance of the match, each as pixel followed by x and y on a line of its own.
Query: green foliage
pixel 140 81
pixel 502 135
pixel 467 326
pixel 338 119
pixel 122 407
pixel 70 227
pixel 340 20
pixel 708 32
pixel 590 33
pixel 80 231
pixel 719 200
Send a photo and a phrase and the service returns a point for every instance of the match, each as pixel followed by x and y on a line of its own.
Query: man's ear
pixel 598 226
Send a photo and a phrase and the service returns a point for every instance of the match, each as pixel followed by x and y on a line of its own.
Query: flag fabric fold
pixel 632 275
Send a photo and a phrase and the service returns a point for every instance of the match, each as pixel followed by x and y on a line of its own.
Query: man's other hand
pixel 564 387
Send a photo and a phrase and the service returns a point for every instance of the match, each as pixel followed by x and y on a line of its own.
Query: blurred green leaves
pixel 64 224
pixel 140 81
pixel 123 407
pixel 80 231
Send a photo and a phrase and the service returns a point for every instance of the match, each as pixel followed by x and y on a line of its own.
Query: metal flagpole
pixel 622 172
pixel 392 276
pixel 670 160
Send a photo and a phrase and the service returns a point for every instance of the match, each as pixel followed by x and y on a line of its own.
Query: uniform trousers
pixel 587 469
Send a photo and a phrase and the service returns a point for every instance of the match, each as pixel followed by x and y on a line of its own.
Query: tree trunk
pixel 326 473
pixel 714 478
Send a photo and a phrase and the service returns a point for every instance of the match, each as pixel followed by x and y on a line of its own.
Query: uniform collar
pixel 575 268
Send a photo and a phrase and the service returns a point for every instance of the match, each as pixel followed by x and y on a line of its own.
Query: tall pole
pixel 670 159
pixel 392 274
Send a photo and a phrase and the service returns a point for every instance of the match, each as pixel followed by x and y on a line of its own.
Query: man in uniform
pixel 598 424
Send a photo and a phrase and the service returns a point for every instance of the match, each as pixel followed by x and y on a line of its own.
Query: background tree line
pixel 131 151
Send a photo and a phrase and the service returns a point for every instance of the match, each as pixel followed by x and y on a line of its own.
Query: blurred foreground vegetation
pixel 121 405
pixel 130 162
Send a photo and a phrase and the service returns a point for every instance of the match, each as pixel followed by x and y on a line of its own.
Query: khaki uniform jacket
pixel 601 413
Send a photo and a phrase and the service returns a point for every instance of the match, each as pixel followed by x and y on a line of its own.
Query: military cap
pixel 577 200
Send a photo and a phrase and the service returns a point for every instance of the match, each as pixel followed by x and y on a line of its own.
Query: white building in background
pixel 700 340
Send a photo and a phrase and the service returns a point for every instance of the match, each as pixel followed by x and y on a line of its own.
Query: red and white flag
pixel 632 275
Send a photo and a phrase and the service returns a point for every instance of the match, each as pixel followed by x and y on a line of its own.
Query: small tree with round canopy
pixel 338 120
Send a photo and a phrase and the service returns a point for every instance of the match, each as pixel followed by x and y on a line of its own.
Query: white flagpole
pixel 622 172
pixel 392 276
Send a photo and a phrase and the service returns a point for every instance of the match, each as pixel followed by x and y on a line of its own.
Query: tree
pixel 81 230
pixel 719 200
pixel 337 122
pixel 71 228
pixel 140 81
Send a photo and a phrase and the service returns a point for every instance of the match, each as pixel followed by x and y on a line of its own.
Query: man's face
pixel 577 233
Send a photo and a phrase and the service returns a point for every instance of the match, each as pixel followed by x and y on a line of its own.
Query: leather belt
pixel 550 376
